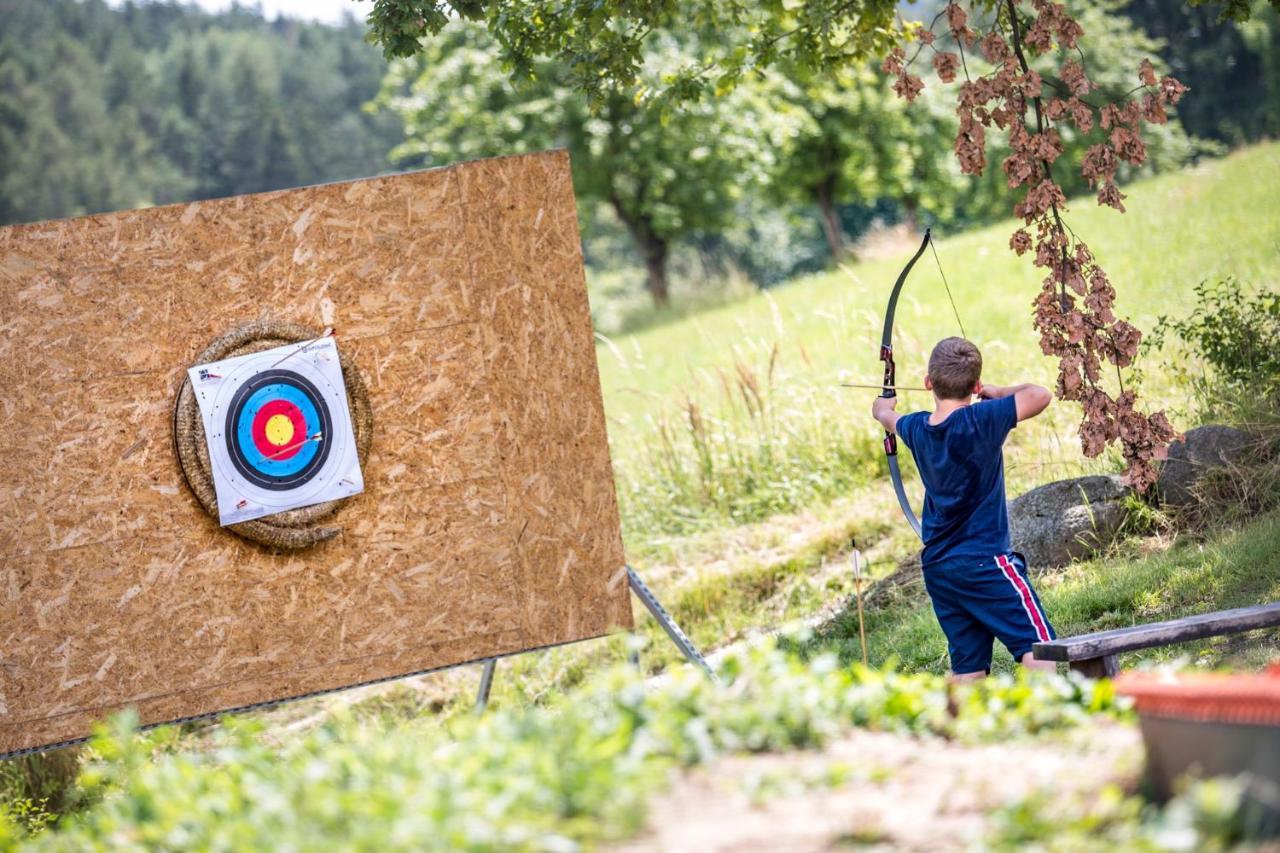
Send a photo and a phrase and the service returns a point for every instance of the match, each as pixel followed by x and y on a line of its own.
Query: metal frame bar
pixel 486 684
pixel 656 610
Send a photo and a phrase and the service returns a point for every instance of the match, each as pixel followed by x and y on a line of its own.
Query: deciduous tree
pixel 665 173
pixel 856 143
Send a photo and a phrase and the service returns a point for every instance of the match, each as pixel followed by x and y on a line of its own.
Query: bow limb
pixel 890 381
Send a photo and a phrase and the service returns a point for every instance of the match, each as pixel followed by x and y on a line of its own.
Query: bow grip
pixel 890 372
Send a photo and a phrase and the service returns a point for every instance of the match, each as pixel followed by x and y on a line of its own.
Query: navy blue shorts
pixel 979 600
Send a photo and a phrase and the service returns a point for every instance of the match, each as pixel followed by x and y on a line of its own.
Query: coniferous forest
pixel 106 108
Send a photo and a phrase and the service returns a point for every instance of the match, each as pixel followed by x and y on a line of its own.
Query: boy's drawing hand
pixel 1030 399
pixel 883 411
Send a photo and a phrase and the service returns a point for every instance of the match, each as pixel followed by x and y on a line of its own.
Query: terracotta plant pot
pixel 1209 724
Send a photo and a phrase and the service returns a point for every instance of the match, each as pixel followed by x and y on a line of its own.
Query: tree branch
pixel 1048 168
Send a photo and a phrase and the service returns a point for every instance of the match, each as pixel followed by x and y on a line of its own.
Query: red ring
pixel 259 429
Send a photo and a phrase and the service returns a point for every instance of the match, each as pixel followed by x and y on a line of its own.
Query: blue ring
pixel 244 430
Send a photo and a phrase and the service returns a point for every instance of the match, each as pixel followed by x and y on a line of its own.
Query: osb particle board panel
pixel 489 523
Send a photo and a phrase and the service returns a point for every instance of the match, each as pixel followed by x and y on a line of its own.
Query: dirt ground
pixel 873 790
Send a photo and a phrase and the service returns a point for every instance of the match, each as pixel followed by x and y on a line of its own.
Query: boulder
pixel 904 585
pixel 1201 449
pixel 910 564
pixel 1058 522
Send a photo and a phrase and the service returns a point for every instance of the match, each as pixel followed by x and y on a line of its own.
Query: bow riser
pixel 890 372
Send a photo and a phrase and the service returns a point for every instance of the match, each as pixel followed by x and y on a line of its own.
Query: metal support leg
pixel 683 643
pixel 655 608
pixel 486 682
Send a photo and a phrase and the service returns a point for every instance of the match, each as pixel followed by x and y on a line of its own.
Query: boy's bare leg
pixel 969 676
pixel 1030 661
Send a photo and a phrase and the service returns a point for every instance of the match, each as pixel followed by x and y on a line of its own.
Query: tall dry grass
pixel 752 445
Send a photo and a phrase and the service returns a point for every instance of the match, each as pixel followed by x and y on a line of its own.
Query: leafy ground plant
pixel 1206 816
pixel 553 778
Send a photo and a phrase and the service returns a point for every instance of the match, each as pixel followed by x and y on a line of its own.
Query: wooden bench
pixel 1094 655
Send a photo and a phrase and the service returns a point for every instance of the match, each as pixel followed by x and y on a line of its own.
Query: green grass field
pixel 815 453
pixel 734 414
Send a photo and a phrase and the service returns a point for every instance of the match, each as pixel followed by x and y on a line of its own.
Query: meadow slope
pixel 788 348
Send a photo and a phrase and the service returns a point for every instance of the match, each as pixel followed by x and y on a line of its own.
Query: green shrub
pixel 22 816
pixel 1236 332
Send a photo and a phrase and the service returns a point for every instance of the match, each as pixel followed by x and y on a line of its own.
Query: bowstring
pixel 950 298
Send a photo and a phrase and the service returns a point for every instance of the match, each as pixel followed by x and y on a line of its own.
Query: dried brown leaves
pixel 1074 310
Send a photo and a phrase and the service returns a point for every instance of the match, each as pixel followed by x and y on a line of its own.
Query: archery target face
pixel 278 430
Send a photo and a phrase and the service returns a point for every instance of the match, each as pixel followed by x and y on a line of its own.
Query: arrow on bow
pixel 890 372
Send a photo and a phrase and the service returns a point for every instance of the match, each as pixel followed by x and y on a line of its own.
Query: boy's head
pixel 955 366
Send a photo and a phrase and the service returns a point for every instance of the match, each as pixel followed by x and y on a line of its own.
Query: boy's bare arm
pixel 1030 400
pixel 883 411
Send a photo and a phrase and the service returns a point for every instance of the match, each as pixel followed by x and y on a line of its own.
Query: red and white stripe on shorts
pixel 1024 594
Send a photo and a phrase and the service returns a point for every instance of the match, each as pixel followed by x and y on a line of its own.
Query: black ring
pixel 278 483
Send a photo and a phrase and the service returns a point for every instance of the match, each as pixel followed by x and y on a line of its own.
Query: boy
pixel 979 587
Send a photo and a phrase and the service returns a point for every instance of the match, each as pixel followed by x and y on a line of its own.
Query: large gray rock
pixel 1059 522
pixel 1201 450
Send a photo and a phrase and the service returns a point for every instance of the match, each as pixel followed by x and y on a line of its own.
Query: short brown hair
pixel 955 366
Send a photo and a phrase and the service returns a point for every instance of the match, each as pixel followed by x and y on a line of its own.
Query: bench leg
pixel 1103 667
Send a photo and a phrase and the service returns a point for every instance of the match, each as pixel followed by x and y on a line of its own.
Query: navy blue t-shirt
pixel 962 466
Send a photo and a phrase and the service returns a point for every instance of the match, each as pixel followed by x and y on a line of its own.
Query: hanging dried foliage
pixel 1074 309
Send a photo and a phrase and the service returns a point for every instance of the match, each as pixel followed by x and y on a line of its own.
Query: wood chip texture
pixel 488 525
